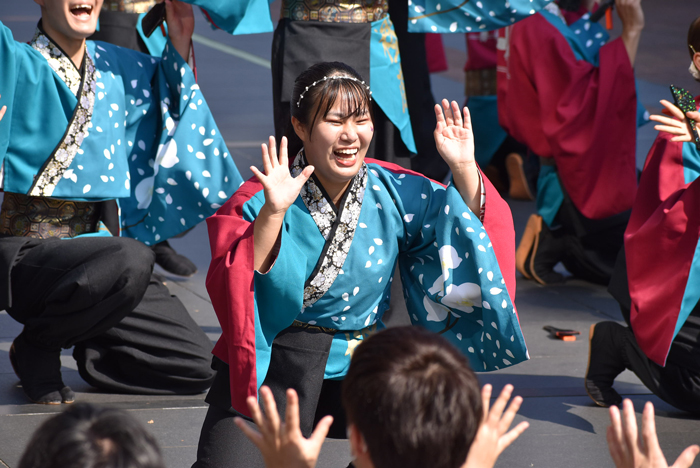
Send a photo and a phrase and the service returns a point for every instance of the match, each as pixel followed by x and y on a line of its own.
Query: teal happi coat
pixel 125 127
pixel 335 267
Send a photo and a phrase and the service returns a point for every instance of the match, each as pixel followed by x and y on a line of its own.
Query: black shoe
pixel 173 262
pixel 602 396
pixel 539 251
pixel 604 365
pixel 39 372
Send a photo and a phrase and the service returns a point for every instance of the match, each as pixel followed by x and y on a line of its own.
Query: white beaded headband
pixel 334 77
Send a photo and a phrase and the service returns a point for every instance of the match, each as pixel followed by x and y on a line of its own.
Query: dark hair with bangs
pixel 320 98
pixel 414 398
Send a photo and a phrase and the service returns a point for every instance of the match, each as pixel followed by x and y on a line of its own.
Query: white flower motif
pixel 463 297
pixel 436 312
pixel 167 155
pixel 144 193
pixel 438 286
pixel 449 259
pixel 42 42
pixel 61 155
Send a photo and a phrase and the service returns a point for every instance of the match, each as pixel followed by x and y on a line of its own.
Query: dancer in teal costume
pixel 160 151
pixel 100 144
pixel 303 260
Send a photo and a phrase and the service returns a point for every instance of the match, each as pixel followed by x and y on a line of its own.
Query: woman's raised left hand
pixel 180 19
pixel 453 136
pixel 455 143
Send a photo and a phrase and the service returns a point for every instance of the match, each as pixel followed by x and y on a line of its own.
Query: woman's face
pixel 337 145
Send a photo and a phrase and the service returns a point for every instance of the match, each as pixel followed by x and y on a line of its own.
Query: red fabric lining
pixel 582 116
pixel 660 243
pixel 231 289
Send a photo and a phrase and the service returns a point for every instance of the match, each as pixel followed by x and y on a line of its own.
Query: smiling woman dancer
pixel 303 258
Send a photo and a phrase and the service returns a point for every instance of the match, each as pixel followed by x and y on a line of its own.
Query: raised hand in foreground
pixel 280 189
pixel 630 451
pixel 454 140
pixel 677 126
pixel 281 443
pixel 493 435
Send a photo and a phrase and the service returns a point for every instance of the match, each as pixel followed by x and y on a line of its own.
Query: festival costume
pixel 492 145
pixel 570 97
pixel 362 34
pixel 660 298
pixel 120 24
pixel 298 324
pixel 127 147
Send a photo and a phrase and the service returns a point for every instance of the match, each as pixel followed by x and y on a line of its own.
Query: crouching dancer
pixel 99 144
pixel 659 300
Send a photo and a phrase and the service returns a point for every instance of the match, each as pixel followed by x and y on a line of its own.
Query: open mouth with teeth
pixel 346 156
pixel 81 11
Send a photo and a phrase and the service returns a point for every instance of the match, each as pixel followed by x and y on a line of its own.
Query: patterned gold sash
pixel 128 6
pixel 335 11
pixel 480 82
pixel 41 217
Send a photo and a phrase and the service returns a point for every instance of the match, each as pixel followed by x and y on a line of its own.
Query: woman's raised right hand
pixel 280 188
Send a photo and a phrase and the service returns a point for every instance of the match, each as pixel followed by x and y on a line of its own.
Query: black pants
pixel 676 385
pixel 298 361
pixel 419 95
pixel 589 246
pixel 98 294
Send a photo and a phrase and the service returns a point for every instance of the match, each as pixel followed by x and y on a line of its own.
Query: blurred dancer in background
pixel 656 280
pixel 570 97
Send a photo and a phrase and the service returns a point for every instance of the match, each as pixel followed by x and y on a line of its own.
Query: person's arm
pixel 2 111
pixel 281 189
pixel 632 16
pixel 630 451
pixel 493 435
pixel 455 143
pixel 677 126
pixel 180 19
pixel 281 443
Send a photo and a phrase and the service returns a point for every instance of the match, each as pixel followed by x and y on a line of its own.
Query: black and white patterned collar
pixel 83 86
pixel 337 226
pixel 58 60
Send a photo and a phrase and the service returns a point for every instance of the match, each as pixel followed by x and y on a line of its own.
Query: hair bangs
pixel 353 97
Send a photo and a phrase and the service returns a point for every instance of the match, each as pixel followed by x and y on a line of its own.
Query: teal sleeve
pixel 279 293
pixel 188 152
pixel 39 106
pixel 237 16
pixel 8 74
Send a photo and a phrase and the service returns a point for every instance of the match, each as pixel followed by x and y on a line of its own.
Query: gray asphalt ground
pixel 566 429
